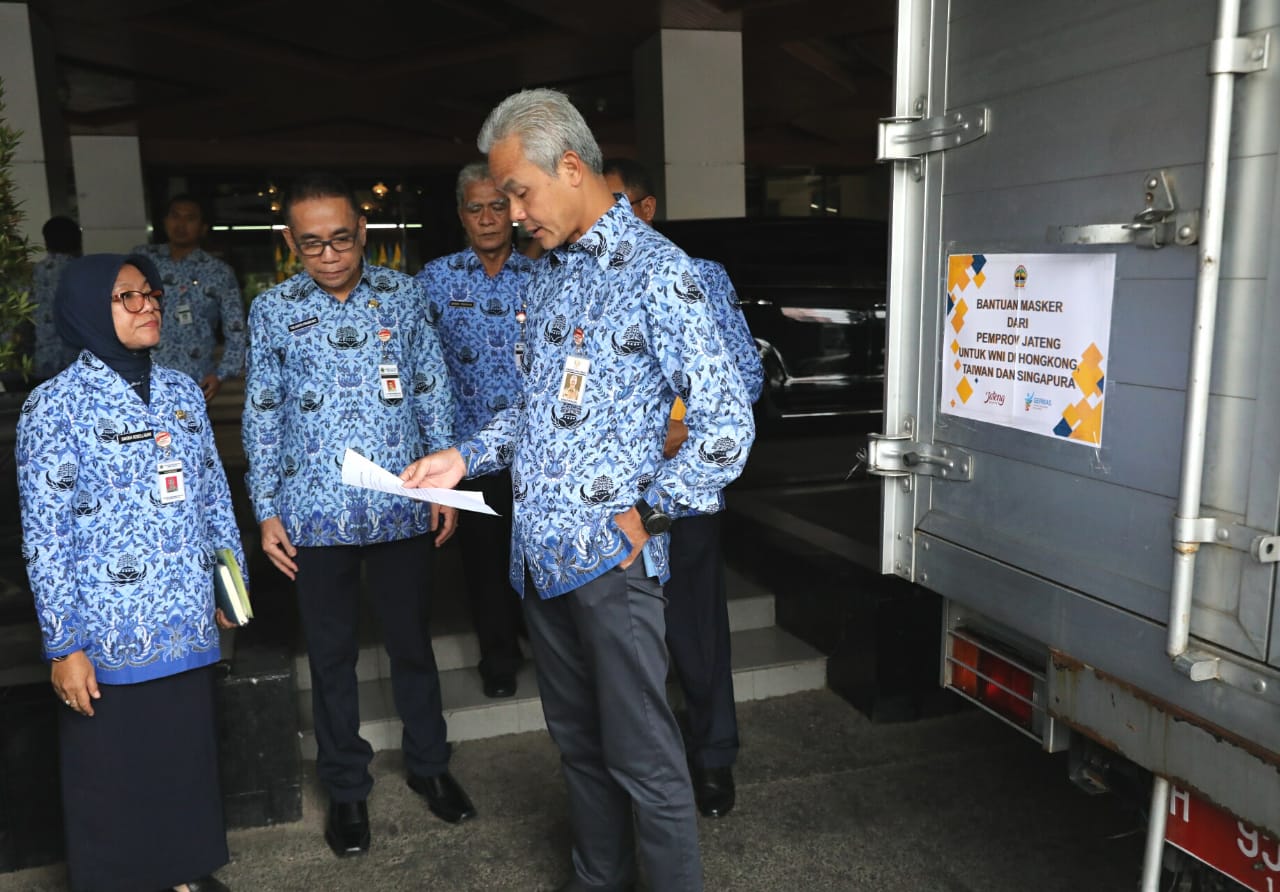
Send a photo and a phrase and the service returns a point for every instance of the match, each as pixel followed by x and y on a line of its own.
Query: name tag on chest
pixel 173 486
pixel 389 376
pixel 573 382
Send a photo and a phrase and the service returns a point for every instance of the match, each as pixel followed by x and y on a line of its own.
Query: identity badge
pixel 182 312
pixel 389 376
pixel 573 384
pixel 172 486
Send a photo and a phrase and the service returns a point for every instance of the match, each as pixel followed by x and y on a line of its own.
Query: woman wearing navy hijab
pixel 124 503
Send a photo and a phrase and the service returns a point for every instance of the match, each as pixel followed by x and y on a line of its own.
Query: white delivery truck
pixel 1081 451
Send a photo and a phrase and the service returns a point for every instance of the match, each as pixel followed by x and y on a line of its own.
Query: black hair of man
pixel 632 174
pixel 318 185
pixel 62 236
pixel 188 198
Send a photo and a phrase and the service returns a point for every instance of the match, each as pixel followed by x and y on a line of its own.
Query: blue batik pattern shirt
pixel 314 389
pixel 200 294
pixel 51 354
pixel 733 325
pixel 116 572
pixel 723 302
pixel 475 317
pixel 649 335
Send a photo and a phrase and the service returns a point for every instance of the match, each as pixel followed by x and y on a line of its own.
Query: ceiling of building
pixel 253 83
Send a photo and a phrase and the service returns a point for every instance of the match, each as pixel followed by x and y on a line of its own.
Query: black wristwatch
pixel 654 520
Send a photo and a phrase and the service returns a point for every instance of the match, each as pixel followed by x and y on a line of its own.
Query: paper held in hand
pixel 228 583
pixel 359 471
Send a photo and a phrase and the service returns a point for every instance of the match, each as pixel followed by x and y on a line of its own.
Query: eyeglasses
pixel 314 247
pixel 136 301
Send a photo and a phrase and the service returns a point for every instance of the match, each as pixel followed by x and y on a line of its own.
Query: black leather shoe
pixel 347 830
pixel 445 797
pixel 206 884
pixel 714 791
pixel 499 684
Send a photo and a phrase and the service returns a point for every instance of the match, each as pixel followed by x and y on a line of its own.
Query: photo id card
pixel 173 487
pixel 182 312
pixel 573 385
pixel 389 375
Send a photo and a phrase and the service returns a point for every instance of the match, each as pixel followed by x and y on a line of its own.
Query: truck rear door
pixel 1048 169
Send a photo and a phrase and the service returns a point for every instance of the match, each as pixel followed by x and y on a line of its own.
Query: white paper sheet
pixel 359 471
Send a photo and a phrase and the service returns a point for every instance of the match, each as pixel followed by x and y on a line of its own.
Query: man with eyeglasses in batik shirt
pixel 475 302
pixel 341 358
pixel 201 296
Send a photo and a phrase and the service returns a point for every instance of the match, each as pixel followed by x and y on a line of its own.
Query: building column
pixel 22 112
pixel 689 122
pixel 112 203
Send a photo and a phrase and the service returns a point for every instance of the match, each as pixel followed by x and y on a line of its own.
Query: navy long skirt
pixel 140 786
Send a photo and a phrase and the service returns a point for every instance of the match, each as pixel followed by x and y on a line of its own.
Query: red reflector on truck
pixel 1008 690
pixel 986 674
pixel 964 675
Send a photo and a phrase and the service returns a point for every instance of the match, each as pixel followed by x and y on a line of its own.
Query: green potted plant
pixel 15 268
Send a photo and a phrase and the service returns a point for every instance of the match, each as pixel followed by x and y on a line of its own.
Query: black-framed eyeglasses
pixel 314 247
pixel 136 301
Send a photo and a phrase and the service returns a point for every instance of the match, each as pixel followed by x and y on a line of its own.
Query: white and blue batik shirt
pixel 475 317
pixel 733 325
pixel 314 389
pixel 723 301
pixel 51 354
pixel 115 572
pixel 200 294
pixel 649 336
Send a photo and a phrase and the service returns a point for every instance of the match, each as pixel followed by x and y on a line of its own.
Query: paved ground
pixel 827 801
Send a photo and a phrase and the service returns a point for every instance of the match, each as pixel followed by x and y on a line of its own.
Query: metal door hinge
pixel 900 456
pixel 1263 546
pixel 1240 55
pixel 1157 224
pixel 910 138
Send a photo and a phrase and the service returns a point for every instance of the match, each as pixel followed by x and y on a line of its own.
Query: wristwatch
pixel 655 521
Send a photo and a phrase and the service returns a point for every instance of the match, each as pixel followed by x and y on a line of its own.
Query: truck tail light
pixel 996 680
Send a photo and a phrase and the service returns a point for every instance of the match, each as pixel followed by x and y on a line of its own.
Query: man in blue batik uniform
pixel 475 301
pixel 697 612
pixel 342 358
pixel 617 327
pixel 200 295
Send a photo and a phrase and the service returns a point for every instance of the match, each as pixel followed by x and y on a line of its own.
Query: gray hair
pixel 475 172
pixel 547 125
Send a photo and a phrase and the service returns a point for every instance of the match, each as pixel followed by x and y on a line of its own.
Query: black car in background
pixel 813 292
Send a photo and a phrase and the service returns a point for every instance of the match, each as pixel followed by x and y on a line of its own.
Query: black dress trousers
pixel 698 638
pixel 486 556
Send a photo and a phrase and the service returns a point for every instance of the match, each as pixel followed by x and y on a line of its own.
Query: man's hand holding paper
pixel 441 469
pixel 359 471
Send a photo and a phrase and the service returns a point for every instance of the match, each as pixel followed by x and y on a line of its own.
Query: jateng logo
pixel 1031 401
pixel 994 397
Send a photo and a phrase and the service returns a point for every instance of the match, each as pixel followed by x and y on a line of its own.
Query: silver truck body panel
pixel 1069 545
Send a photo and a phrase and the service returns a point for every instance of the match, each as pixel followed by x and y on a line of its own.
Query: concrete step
pixel 750 607
pixel 767 662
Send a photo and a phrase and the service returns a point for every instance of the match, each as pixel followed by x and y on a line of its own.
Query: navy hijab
pixel 82 314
